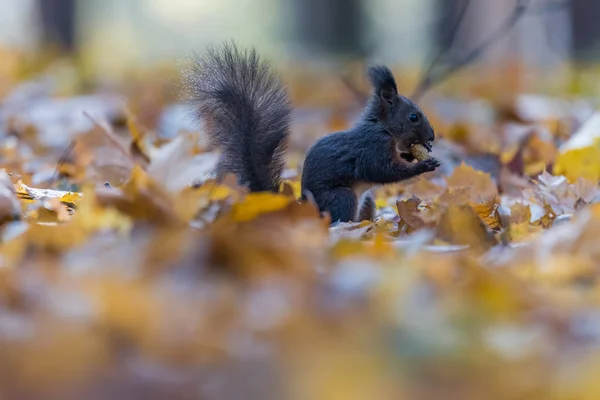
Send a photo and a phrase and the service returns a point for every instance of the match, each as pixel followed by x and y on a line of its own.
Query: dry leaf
pixel 480 186
pixel 461 225
pixel 147 277
pixel 409 213
pixel 256 204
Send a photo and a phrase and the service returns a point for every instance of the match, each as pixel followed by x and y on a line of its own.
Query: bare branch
pixel 63 158
pixel 359 95
pixel 443 51
pixel 430 80
pixel 436 73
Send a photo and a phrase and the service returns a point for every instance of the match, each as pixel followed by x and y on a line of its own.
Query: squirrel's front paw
pixel 429 165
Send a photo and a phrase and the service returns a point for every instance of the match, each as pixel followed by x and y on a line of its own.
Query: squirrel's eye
pixel 413 117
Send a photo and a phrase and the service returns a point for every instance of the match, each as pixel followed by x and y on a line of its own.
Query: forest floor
pixel 126 271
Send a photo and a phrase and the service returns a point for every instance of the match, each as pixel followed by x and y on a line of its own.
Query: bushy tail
pixel 246 113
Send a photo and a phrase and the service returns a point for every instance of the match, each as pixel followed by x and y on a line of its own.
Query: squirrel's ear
pixel 384 84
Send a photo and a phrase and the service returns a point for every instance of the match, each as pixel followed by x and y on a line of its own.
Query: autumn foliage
pixel 127 271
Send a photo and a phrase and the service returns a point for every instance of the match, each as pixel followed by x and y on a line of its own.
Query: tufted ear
pixel 384 85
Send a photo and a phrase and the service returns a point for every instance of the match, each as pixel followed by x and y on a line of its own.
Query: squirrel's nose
pixel 431 136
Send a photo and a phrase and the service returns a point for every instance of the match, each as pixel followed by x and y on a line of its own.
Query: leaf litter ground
pixel 127 271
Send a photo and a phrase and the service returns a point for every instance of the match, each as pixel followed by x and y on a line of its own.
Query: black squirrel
pixel 247 114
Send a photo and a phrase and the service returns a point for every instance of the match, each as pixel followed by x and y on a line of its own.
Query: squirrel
pixel 246 110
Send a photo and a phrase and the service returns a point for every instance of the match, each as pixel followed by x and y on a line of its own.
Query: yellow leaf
pixel 579 163
pixel 71 198
pixel 296 187
pixel 190 200
pixel 523 231
pixel 216 192
pixel 488 212
pixel 91 217
pixel 381 202
pixel 535 168
pixel 258 203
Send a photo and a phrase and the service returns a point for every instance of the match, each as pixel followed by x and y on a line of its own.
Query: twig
pixel 361 98
pixel 62 160
pixel 443 51
pixel 113 140
pixel 430 80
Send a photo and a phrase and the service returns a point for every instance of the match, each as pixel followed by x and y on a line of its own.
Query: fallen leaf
pixel 139 148
pixel 488 212
pixel 258 203
pixel 424 189
pixel 480 185
pixel 408 210
pixel 460 225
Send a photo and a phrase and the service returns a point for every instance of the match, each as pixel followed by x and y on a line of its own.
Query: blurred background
pixel 486 53
pixel 128 301
pixel 117 34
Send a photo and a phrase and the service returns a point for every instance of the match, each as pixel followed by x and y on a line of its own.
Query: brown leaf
pixel 424 189
pixel 480 185
pixel 460 225
pixel 460 195
pixel 520 213
pixel 538 155
pixel 409 213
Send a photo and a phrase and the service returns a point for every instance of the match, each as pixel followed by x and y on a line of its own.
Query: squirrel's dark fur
pixel 247 111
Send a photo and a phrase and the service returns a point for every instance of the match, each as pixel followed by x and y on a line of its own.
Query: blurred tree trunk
pixel 586 30
pixel 58 23
pixel 447 13
pixel 330 26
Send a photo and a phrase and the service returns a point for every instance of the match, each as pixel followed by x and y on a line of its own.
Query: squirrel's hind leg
pixel 341 203
pixel 367 208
